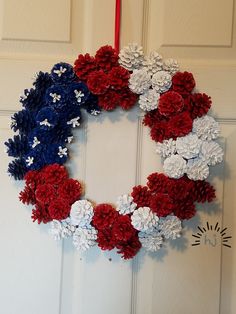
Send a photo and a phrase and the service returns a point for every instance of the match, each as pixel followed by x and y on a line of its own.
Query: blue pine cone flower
pixel 62 73
pixel 18 146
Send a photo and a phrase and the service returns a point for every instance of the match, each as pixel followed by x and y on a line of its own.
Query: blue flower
pixel 34 160
pixel 55 96
pixel 56 153
pixel 43 82
pixel 47 118
pixel 17 169
pixel 32 100
pixel 18 146
pixel 23 121
pixel 78 93
pixel 91 105
pixel 62 73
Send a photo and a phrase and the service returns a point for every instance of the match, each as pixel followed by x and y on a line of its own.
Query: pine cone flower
pixel 152 242
pixel 153 63
pixel 140 81
pixel 125 204
pixel 81 213
pixel 144 219
pixel 166 148
pixel 170 227
pixel 149 100
pixel 171 66
pixel 197 169
pixel 84 238
pixel 206 128
pixel 161 81
pixel 211 152
pixel 131 57
pixel 188 146
pixel 174 166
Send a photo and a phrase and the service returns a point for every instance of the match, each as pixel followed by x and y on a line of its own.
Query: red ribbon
pixel 117 25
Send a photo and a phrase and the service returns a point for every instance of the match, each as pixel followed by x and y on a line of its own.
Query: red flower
pixel 161 204
pixel 106 57
pixel 70 189
pixel 84 65
pixel 118 77
pixel 183 83
pixel 180 124
pixel 41 214
pixel 158 182
pixel 33 178
pixel 160 131
pixel 27 196
pixel 105 239
pixel 180 189
pixel 45 193
pixel 199 104
pixel 170 103
pixel 54 174
pixel 129 248
pixel 109 100
pixel 203 191
pixel 98 82
pixel 153 117
pixel 122 229
pixel 141 195
pixel 184 209
pixel 104 216
pixel 127 98
pixel 59 209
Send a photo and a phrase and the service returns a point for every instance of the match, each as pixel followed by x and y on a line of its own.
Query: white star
pixel 79 95
pixel 70 139
pixel 35 142
pixel 62 152
pixel 94 112
pixel 74 122
pixel 30 161
pixel 55 97
pixel 45 122
pixel 60 71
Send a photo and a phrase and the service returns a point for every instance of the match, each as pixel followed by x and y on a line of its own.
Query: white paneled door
pixel 111 154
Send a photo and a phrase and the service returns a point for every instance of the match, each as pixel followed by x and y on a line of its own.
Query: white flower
pixel 125 204
pixel 188 146
pixel 174 166
pixel 161 81
pixel 144 219
pixel 149 100
pixel 153 63
pixel 62 152
pixel 170 227
pixel 74 122
pixel 29 161
pixel 60 71
pixel 166 148
pixel 35 142
pixel 45 122
pixel 197 169
pixel 55 97
pixel 81 213
pixel 171 66
pixel 206 128
pixel 211 152
pixel 139 81
pixel 131 57
pixel 61 229
pixel 151 241
pixel 79 95
pixel 84 238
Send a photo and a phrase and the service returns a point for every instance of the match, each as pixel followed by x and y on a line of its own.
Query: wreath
pixel 179 124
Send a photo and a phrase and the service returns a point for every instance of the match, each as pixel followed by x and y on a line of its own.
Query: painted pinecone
pixel 144 219
pixel 170 227
pixel 84 238
pixel 17 169
pixel 149 100
pixel 166 148
pixel 188 146
pixel 174 166
pixel 197 169
pixel 140 81
pixel 131 57
pixel 161 81
pixel 206 128
pixel 212 153
pixel 171 66
pixel 151 241
pixel 61 229
pixel 153 63
pixel 204 192
pixel 81 213
pixel 125 204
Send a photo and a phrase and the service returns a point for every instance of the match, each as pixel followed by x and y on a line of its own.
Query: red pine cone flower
pixel 84 65
pixel 141 196
pixel 161 204
pixel 180 124
pixel 153 117
pixel 109 100
pixel 98 82
pixel 122 229
pixel 200 104
pixel 183 83
pixel 70 190
pixel 158 182
pixel 180 189
pixel 160 131
pixel 105 239
pixel 127 98
pixel 118 77
pixel 184 209
pixel 54 174
pixel 45 193
pixel 106 57
pixel 41 214
pixel 27 196
pixel 59 209
pixel 33 178
pixel 104 216
pixel 203 191
pixel 130 248
pixel 170 103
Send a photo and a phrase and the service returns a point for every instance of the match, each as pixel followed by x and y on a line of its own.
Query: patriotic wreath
pixel 177 117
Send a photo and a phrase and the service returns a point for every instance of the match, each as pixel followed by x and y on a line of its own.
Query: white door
pixel 111 154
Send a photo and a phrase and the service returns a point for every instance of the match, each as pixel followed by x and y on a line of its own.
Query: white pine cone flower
pixel 171 66
pixel 125 204
pixel 206 128
pixel 212 153
pixel 140 81
pixel 153 63
pixel 188 146
pixel 81 213
pixel 84 238
pixel 174 166
pixel 197 169
pixel 166 148
pixel 151 241
pixel 170 227
pixel 61 229
pixel 161 81
pixel 131 57
pixel 149 100
pixel 144 219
